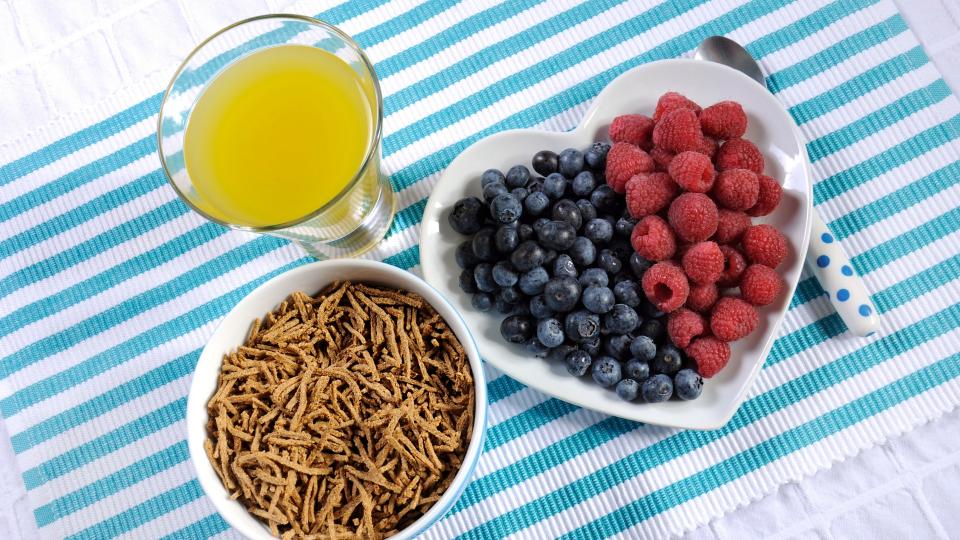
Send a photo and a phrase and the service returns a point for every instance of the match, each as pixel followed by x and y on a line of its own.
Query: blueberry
pixel 467 283
pixel 621 249
pixel 505 208
pixel 482 301
pixel 539 309
pixel 606 371
pixel 567 210
pixel 520 193
pixel 535 185
pixel 464 255
pixel 562 294
pixel 564 266
pixel 536 203
pixel 571 162
pixel 467 215
pixel 622 319
pixel 545 162
pixel 527 256
pixel 594 277
pixel 656 389
pixel 609 262
pixel 554 185
pixel 557 235
pixel 598 299
pixel 483 246
pixel 517 328
pixel 624 227
pixel 490 191
pixel 637 369
pixel 688 384
pixel 578 362
pixel 620 278
pixel 506 239
pixel 592 346
pixel 598 231
pixel 532 281
pixel 518 176
pixel 504 275
pixel 550 332
pixel 501 305
pixel 510 295
pixel 582 326
pixel 550 257
pixel 628 389
pixel 606 200
pixel 491 176
pixel 521 308
pixel 596 156
pixel 639 265
pixel 539 223
pixel 559 354
pixel 525 232
pixel 643 348
pixel 653 329
pixel 617 346
pixel 583 252
pixel 650 311
pixel 537 349
pixel 583 184
pixel 483 276
pixel 628 292
pixel 587 210
pixel 668 360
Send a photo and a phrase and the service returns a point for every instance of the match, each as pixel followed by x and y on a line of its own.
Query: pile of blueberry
pixel 552 251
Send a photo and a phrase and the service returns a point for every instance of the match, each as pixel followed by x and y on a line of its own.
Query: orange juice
pixel 278 134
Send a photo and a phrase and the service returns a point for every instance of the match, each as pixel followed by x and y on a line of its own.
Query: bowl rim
pixel 196 413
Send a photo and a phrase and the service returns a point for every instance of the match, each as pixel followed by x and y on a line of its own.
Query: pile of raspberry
pixel 694 184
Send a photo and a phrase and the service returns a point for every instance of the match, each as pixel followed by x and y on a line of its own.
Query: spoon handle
pixel 845 288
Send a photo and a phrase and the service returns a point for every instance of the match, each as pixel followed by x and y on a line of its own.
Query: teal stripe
pixel 502 387
pixel 878 120
pixel 770 450
pixel 105 402
pixel 401 22
pixel 835 54
pixel 111 484
pixel 205 528
pixel 805 26
pixel 537 416
pixel 893 157
pixel 105 444
pixel 120 353
pixel 408 217
pixel 891 250
pixel 407 258
pixel 684 442
pixel 142 513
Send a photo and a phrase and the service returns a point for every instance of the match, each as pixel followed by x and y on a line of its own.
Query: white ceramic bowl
pixel 232 332
pixel 636 91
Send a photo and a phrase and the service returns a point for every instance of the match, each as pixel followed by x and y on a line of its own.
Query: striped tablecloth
pixel 109 285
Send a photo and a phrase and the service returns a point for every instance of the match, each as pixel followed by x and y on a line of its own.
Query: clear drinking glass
pixel 351 222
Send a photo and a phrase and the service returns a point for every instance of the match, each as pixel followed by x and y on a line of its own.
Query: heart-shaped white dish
pixel 636 91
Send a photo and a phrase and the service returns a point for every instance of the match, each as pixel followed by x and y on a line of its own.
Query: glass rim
pixel 364 165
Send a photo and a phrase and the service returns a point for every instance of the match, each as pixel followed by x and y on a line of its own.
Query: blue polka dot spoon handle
pixel 832 268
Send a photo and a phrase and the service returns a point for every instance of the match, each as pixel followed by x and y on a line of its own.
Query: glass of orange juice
pixel 273 125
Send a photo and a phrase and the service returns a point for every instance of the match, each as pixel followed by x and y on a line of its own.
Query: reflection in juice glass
pixel 273 125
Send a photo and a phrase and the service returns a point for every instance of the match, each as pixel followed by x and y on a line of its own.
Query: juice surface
pixel 277 134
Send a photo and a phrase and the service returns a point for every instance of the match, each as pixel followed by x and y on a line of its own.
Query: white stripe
pixel 183 516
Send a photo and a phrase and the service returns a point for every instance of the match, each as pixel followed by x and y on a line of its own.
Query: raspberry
pixel 733 266
pixel 702 297
pixel 724 120
pixel 653 239
pixel 635 129
pixel 662 157
pixel 736 189
pixel 710 354
pixel 763 244
pixel 708 146
pixel 649 193
pixel 760 285
pixel 672 101
pixel 739 154
pixel 665 286
pixel 730 226
pixel 703 262
pixel 683 325
pixel 768 197
pixel 693 217
pixel 678 131
pixel 623 162
pixel 732 319
pixel 692 171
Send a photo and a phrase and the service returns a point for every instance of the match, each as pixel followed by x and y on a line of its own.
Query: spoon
pixel 826 258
